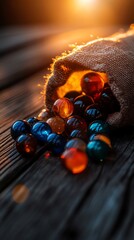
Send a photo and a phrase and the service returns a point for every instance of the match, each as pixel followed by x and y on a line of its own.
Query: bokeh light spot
pixel 20 193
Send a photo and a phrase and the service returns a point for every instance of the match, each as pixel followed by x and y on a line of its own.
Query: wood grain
pixel 19 102
pixel 63 206
pixel 56 205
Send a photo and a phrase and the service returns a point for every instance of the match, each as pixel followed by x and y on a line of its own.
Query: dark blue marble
pixel 19 127
pixel 79 134
pixel 26 145
pixel 97 150
pixel 32 121
pixel 108 102
pixel 56 143
pixel 93 113
pixel 81 103
pixel 41 131
pixel 72 95
pixel 91 138
pixel 99 127
pixel 76 143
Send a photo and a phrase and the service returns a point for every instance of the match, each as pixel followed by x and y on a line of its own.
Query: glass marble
pixel 32 120
pixel 47 154
pixel 19 127
pixel 63 107
pixel 99 127
pixel 72 95
pixel 108 103
pixel 75 122
pixel 98 150
pixel 92 84
pixel 41 131
pixel 79 134
pixel 107 90
pixel 56 143
pixel 101 137
pixel 26 145
pixel 57 124
pixel 76 143
pixel 93 113
pixel 106 85
pixel 91 137
pixel 104 139
pixel 81 103
pixel 44 115
pixel 75 160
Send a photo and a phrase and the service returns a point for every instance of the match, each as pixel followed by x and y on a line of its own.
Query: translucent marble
pixel 26 145
pixel 63 107
pixel 92 84
pixel 44 115
pixel 75 160
pixel 57 124
pixel 76 143
pixel 75 122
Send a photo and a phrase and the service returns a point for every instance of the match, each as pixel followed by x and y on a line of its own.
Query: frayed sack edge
pixel 63 67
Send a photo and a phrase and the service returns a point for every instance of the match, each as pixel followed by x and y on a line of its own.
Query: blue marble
pixel 56 142
pixel 93 113
pixel 76 143
pixel 19 127
pixel 97 150
pixel 79 134
pixel 32 121
pixel 72 95
pixel 91 138
pixel 41 131
pixel 99 127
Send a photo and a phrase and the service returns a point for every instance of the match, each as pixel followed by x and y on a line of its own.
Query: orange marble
pixel 92 84
pixel 43 115
pixel 75 160
pixel 57 124
pixel 63 107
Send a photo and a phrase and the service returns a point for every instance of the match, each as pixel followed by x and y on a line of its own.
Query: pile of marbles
pixel 75 129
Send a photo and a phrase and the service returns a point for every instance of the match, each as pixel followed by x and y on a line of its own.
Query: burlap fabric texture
pixel 113 56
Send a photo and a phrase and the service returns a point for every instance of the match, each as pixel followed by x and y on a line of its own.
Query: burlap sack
pixel 113 56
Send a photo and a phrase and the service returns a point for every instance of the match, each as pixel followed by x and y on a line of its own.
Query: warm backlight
pixel 84 2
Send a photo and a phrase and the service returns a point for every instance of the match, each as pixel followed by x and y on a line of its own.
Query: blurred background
pixel 73 13
pixel 34 31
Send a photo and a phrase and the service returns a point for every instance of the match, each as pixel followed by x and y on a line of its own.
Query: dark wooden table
pixel 39 198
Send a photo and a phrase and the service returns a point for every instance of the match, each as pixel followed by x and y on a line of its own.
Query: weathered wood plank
pixel 97 204
pixel 63 206
pixel 11 39
pixel 19 102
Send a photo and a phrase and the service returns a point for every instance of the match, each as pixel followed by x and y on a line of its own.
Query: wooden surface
pixel 96 205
